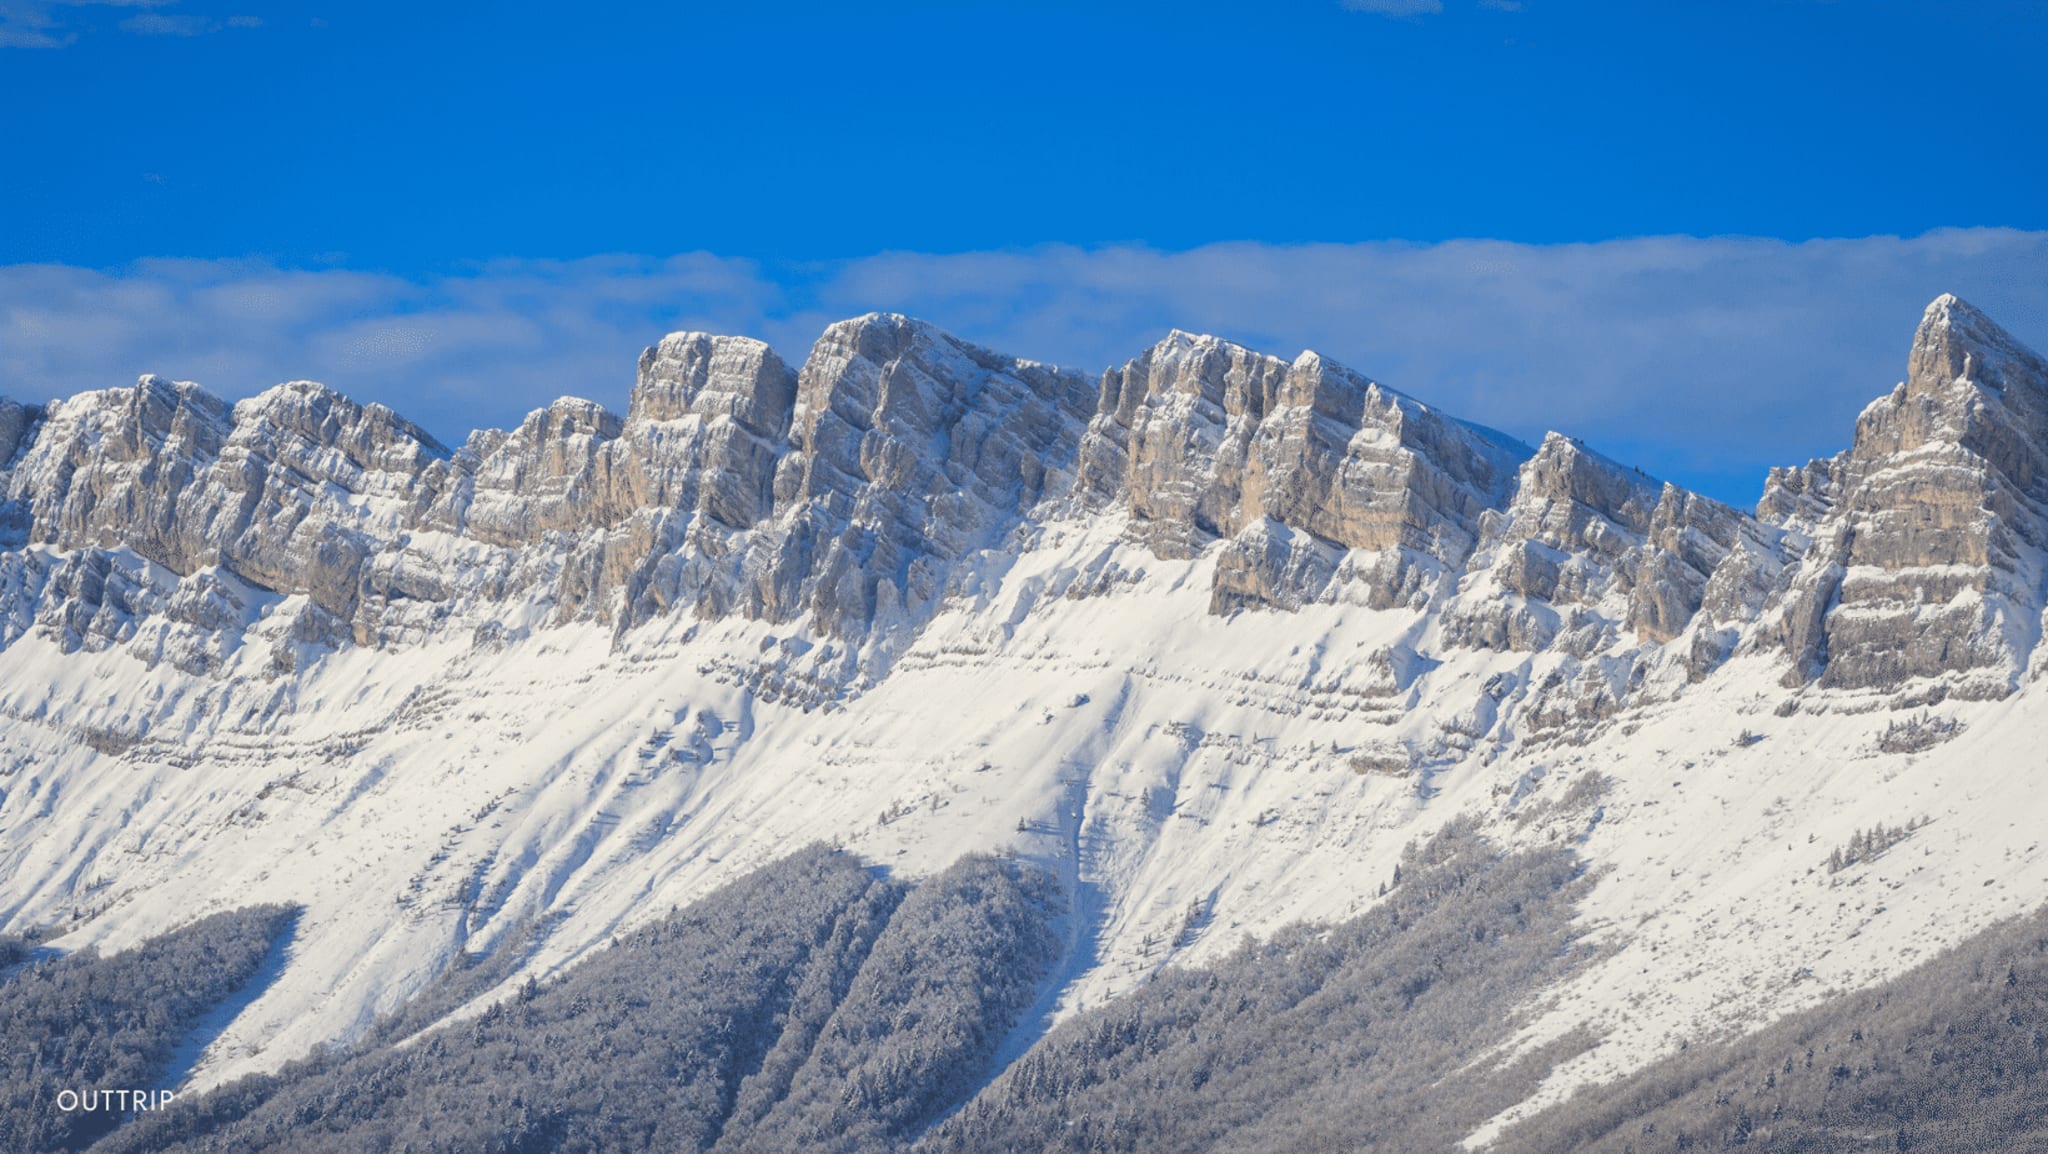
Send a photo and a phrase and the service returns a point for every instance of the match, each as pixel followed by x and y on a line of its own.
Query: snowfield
pixel 1160 759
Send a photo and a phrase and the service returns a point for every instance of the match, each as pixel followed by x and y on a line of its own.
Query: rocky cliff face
pixel 291 492
pixel 1926 535
pixel 1590 554
pixel 854 495
pixel 639 512
pixel 1609 576
pixel 1316 478
pixel 909 449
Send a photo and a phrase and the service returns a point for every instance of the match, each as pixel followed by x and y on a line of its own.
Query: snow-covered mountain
pixel 1212 637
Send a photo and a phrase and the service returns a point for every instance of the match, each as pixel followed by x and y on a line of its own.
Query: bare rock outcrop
pixel 1927 546
pixel 307 486
pixel 1590 553
pixel 631 505
pixel 909 449
pixel 107 468
pixel 290 490
pixel 856 494
pixel 15 419
pixel 17 426
pixel 1299 467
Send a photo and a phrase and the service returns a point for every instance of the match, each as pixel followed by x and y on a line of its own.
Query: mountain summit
pixel 1926 561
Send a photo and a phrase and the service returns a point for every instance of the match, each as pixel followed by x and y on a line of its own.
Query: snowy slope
pixel 1214 655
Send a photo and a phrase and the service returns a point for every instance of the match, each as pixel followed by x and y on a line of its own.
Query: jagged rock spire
pixel 1930 521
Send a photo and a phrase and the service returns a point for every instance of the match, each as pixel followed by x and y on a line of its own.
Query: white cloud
pixel 1704 360
pixel 1394 7
pixel 163 24
pixel 22 36
pixel 30 25
pixel 37 23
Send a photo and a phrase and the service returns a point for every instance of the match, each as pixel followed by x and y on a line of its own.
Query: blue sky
pixel 1693 211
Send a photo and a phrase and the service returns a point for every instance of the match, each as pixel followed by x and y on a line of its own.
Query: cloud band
pixel 1705 360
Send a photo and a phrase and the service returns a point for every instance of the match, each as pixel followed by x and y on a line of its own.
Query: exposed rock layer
pixel 1927 534
pixel 1295 464
pixel 856 493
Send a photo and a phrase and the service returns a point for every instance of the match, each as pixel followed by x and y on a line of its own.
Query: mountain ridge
pixel 734 484
pixel 1215 631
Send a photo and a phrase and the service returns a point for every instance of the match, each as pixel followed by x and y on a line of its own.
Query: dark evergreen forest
pixel 813 1005
pixel 85 1022
pixel 1951 1056
pixel 1361 1036
pixel 819 1004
